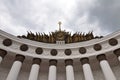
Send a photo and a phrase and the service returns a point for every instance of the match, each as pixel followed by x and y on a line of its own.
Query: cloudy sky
pixel 100 16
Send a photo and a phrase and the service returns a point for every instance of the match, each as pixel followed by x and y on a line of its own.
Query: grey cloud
pixel 76 23
pixel 43 16
pixel 39 18
pixel 17 9
pixel 107 13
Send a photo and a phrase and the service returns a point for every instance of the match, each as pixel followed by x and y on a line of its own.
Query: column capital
pixel 19 58
pixel 68 62
pixel 3 53
pixel 36 61
pixel 101 57
pixel 117 52
pixel 53 62
pixel 84 60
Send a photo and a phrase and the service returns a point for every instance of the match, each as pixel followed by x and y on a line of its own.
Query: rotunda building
pixel 59 56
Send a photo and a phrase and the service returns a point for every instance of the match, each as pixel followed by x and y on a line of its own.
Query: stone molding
pixel 101 57
pixel 36 61
pixel 84 61
pixel 68 62
pixel 19 58
pixel 53 62
pixel 117 52
pixel 3 53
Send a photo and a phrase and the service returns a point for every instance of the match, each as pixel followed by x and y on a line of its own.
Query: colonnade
pixel 52 75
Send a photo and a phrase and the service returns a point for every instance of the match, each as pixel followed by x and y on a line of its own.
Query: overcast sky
pixel 100 16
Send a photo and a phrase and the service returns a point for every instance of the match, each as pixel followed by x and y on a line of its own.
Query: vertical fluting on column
pixel 69 69
pixel 107 71
pixel 86 69
pixel 35 69
pixel 2 54
pixel 117 53
pixel 52 70
pixel 15 69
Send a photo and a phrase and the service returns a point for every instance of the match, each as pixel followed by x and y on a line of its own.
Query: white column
pixel 52 70
pixel 14 72
pixel 107 71
pixel 1 59
pixel 87 72
pixel 35 69
pixel 34 72
pixel 119 58
pixel 86 69
pixel 69 70
pixel 52 73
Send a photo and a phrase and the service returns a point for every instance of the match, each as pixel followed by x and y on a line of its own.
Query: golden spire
pixel 59 25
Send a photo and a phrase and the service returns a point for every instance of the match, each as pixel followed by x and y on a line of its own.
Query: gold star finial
pixel 59 25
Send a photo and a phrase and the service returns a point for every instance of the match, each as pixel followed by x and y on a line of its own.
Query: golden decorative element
pixel 59 36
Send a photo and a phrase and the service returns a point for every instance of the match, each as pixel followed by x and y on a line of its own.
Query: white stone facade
pixel 60 69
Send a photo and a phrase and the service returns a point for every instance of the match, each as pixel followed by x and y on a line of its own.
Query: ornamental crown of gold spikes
pixel 60 35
